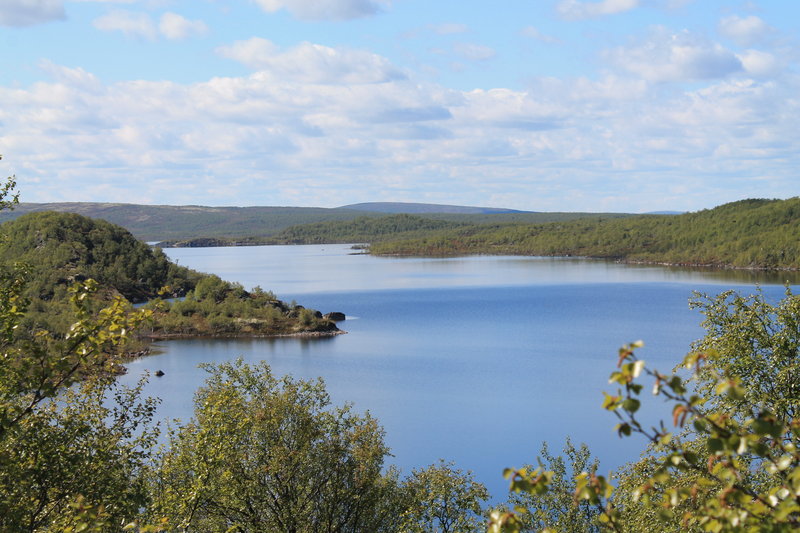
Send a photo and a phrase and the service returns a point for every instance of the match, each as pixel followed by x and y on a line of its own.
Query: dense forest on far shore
pixel 748 234
pixel 760 234
pixel 226 225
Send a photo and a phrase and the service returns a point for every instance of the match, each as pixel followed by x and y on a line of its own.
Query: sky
pixel 539 105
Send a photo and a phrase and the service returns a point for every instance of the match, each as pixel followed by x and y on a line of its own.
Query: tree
pixel 80 449
pixel 557 508
pixel 733 462
pixel 444 499
pixel 69 460
pixel 273 454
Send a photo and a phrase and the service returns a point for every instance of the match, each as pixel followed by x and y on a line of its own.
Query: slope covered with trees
pixel 747 234
pixel 258 224
pixel 65 247
pixel 364 229
pixel 57 250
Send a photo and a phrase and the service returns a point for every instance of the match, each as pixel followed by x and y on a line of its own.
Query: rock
pixel 335 316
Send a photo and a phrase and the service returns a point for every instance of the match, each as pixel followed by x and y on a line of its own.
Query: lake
pixel 474 359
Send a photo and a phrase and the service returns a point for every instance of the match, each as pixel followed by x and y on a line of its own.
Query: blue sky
pixel 561 105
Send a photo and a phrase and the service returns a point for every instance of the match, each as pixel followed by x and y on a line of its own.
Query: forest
pixel 758 234
pixel 748 234
pixel 57 250
pixel 269 453
pixel 259 224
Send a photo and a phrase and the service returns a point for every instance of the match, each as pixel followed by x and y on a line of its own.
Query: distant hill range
pixel 165 222
pixel 419 209
pixel 175 223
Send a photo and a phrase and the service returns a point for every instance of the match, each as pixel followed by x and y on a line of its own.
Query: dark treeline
pixel 359 230
pixel 230 225
pixel 364 229
pixel 761 234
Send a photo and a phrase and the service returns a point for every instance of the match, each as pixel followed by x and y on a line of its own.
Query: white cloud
pixel 744 30
pixel 133 25
pixel 680 56
pixel 141 25
pixel 30 12
pixel 324 9
pixel 759 64
pixel 73 77
pixel 290 142
pixel 474 52
pixel 532 32
pixel 176 27
pixel 312 63
pixel 576 10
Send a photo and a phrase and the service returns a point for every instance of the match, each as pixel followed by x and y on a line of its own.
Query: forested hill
pixel 226 225
pixel 411 208
pixel 61 248
pixel 746 234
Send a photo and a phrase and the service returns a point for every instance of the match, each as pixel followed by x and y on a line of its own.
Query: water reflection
pixel 298 270
pixel 474 359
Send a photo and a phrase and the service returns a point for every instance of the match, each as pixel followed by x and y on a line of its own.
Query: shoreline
pixel 709 266
pixel 299 334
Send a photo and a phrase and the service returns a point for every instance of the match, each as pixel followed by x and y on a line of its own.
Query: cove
pixel 474 359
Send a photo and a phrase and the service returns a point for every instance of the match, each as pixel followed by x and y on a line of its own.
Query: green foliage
pixel 77 449
pixel 270 454
pixel 732 463
pixel 761 234
pixel 362 229
pixel 62 248
pixel 220 308
pixel 56 249
pixel 756 343
pixel 69 459
pixel 557 508
pixel 444 499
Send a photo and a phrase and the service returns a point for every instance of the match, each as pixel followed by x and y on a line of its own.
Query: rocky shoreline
pixel 298 334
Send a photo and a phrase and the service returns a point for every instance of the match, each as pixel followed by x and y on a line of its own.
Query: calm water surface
pixel 476 360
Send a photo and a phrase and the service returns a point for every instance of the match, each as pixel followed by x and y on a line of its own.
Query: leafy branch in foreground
pixel 732 463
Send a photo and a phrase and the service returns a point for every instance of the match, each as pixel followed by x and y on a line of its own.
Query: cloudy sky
pixel 544 105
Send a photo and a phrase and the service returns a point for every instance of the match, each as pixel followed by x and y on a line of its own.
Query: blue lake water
pixel 476 360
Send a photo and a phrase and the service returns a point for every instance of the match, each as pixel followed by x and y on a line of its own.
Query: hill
pixel 249 225
pixel 417 208
pixel 60 249
pixel 167 222
pixel 755 233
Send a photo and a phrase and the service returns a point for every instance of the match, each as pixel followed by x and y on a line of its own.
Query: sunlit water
pixel 476 360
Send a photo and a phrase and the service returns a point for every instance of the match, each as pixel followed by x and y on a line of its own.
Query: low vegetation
pixel 219 308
